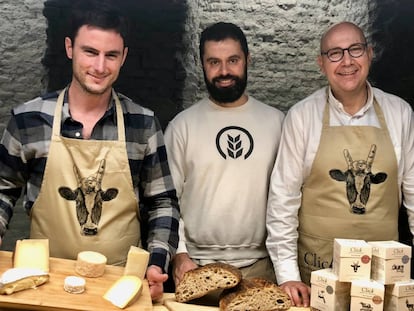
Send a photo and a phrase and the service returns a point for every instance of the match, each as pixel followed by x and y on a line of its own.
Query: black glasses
pixel 336 54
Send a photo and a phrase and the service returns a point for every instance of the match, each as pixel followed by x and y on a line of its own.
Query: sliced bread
pixel 203 280
pixel 254 294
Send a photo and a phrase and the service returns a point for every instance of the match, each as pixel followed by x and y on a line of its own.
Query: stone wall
pixel 283 38
pixel 22 43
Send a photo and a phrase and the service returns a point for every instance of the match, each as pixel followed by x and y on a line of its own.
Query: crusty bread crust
pixel 254 294
pixel 202 280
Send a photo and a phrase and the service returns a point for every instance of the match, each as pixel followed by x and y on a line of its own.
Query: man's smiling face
pixel 348 75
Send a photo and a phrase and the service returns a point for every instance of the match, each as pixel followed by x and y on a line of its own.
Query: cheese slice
pixel 124 291
pixel 32 253
pixel 90 264
pixel 137 262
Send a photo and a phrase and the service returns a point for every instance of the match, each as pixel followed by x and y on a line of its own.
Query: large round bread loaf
pixel 200 281
pixel 254 294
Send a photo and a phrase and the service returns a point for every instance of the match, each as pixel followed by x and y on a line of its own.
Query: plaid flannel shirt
pixel 25 145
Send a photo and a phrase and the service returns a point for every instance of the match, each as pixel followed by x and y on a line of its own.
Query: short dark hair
pixel 99 13
pixel 220 31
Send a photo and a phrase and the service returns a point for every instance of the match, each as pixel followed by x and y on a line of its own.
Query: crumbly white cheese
pixel 90 264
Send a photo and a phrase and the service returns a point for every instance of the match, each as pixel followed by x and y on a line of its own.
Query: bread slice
pixel 202 280
pixel 254 294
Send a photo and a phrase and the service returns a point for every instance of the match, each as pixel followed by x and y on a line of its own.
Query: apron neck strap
pixel 378 111
pixel 57 119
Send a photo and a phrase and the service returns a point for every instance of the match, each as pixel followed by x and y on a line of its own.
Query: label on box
pixel 391 250
pixel 388 271
pixel 352 248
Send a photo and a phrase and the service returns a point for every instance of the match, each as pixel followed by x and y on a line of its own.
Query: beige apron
pixel 86 200
pixel 326 213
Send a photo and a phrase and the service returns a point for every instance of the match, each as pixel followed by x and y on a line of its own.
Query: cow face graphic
pixel 89 197
pixel 358 179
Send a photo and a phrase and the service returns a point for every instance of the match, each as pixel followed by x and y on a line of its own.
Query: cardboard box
pixel 352 260
pixel 391 261
pixel 327 293
pixel 367 295
pixel 399 296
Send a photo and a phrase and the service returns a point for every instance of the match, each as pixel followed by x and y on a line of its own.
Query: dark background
pixel 393 68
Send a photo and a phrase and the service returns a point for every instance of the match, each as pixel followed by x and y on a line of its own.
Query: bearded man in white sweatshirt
pixel 221 152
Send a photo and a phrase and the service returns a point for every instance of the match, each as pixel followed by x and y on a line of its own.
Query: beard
pixel 226 94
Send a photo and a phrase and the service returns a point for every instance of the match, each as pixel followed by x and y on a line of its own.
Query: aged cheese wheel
pixel 137 262
pixel 74 284
pixel 32 253
pixel 124 291
pixel 90 264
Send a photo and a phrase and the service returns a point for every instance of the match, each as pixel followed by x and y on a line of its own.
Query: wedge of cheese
pixel 124 291
pixel 137 262
pixel 32 253
pixel 17 279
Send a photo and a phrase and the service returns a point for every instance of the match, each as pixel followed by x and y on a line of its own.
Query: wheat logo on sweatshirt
pixel 234 142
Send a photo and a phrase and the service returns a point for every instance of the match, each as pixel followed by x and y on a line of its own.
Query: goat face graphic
pixel 356 266
pixel 89 197
pixel 358 179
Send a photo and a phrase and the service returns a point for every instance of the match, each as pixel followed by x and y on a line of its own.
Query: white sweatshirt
pixel 221 160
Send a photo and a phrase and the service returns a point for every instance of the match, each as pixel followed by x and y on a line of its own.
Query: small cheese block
pixel 74 284
pixel 137 262
pixel 90 264
pixel 17 279
pixel 32 253
pixel 124 291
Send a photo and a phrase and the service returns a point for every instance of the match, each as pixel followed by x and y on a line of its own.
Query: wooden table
pixel 171 305
pixel 51 296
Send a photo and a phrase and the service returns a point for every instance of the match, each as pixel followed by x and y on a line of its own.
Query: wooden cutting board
pixel 172 305
pixel 51 296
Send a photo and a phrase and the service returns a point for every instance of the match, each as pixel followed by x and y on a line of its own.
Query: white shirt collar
pixel 336 104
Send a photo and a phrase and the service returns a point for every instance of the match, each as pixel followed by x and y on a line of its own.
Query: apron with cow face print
pixel 86 201
pixel 351 192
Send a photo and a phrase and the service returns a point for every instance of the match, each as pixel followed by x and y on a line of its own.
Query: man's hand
pixel 181 264
pixel 156 279
pixel 298 292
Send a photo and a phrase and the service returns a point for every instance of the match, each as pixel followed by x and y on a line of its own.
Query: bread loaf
pixel 200 281
pixel 254 294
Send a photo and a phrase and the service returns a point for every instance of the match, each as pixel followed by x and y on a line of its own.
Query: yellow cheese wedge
pixel 124 291
pixel 90 264
pixel 137 262
pixel 32 253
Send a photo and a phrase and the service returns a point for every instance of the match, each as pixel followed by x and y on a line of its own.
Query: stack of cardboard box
pixel 365 276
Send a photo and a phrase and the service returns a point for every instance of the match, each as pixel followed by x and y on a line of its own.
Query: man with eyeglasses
pixel 346 160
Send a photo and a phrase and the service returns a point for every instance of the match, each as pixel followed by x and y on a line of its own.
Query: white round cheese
pixel 90 264
pixel 74 284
